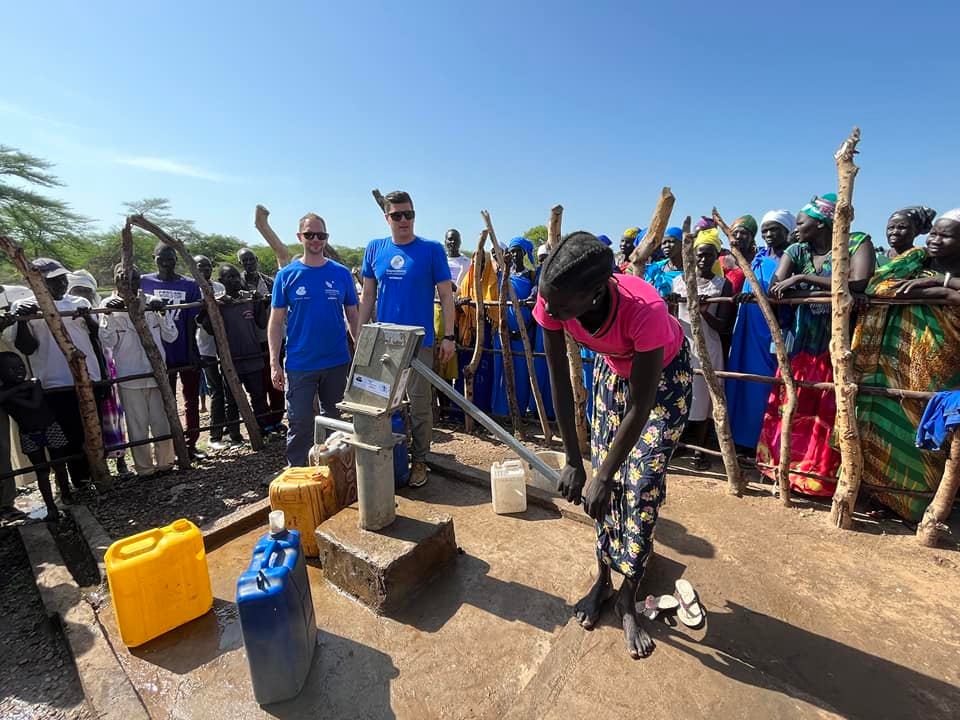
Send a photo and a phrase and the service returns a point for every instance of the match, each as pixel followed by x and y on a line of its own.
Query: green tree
pixel 158 210
pixel 219 248
pixel 537 234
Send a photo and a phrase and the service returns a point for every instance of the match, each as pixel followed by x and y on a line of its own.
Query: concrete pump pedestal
pixel 383 568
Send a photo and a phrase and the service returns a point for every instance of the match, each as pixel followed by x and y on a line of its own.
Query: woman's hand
pixel 777 289
pixel 596 501
pixel 907 287
pixel 572 480
pixel 744 297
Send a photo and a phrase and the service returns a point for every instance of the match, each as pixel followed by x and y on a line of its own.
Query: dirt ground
pixel 803 620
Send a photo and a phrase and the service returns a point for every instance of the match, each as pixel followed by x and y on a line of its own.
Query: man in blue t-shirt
pixel 400 274
pixel 175 289
pixel 311 295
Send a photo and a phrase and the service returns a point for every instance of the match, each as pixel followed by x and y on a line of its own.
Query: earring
pixel 595 301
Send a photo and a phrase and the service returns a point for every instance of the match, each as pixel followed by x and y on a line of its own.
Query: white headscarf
pixel 784 217
pixel 82 278
pixel 951 215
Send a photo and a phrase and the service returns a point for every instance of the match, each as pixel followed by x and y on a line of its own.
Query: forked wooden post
pixel 522 325
pixel 783 361
pixel 848 434
pixel 158 364
pixel 942 504
pixel 470 371
pixel 651 241
pixel 573 349
pixel 720 416
pixel 219 331
pixel 76 360
pixel 262 223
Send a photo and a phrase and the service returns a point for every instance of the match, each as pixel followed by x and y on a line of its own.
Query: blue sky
pixel 508 106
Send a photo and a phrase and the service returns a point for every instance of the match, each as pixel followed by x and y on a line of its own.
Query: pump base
pixel 384 568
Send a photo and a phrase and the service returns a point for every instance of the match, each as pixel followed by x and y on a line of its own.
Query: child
pixel 23 400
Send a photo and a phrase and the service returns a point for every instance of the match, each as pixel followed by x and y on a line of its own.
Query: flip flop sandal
pixel 653 606
pixel 689 613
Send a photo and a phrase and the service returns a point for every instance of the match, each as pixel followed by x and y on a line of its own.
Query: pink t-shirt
pixel 638 322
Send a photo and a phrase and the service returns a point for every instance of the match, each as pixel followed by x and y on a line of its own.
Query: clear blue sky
pixel 508 106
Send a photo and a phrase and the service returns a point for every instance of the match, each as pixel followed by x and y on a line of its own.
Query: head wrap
pixel 631 233
pixel 704 223
pixel 821 207
pixel 82 278
pixel 747 221
pixel 525 245
pixel 674 232
pixel 604 239
pixel 542 252
pixel 920 215
pixel 710 236
pixel 951 215
pixel 785 218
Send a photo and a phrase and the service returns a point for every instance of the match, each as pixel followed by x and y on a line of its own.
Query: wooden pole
pixel 262 223
pixel 651 241
pixel 219 331
pixel 783 361
pixel 76 360
pixel 942 504
pixel 573 350
pixel 524 337
pixel 720 416
pixel 470 371
pixel 503 328
pixel 378 197
pixel 158 364
pixel 851 454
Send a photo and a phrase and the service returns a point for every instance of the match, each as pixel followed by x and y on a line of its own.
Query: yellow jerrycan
pixel 307 498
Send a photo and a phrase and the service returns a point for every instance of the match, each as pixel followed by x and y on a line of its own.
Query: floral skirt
pixel 625 535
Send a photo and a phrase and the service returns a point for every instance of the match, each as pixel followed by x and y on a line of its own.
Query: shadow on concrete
pixel 188 647
pixel 676 536
pixel 467 582
pixel 811 667
pixel 346 680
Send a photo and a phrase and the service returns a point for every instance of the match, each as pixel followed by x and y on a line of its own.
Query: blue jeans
pixel 302 387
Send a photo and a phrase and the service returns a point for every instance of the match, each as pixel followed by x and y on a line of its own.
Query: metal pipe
pixel 481 417
pixel 330 424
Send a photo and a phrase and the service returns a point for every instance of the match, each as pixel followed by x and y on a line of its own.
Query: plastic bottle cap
pixel 278 522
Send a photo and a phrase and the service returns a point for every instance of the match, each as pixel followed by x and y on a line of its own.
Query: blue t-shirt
pixel 315 298
pixel 176 292
pixel 406 276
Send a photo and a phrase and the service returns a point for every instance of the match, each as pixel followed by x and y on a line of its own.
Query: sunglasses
pixel 317 235
pixel 405 214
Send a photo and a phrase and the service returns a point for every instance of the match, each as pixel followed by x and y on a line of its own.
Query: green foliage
pixel 537 234
pixel 351 257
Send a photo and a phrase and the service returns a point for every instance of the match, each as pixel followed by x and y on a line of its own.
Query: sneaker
pixel 236 443
pixel 217 445
pixel 197 454
pixel 418 474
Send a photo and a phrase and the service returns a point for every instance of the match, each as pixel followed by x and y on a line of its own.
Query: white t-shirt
pixel 48 364
pixel 119 336
pixel 206 345
pixel 458 266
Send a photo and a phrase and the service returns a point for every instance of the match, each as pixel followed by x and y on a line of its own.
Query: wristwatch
pixel 451 338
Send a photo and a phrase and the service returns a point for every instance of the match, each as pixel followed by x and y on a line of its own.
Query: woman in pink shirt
pixel 642 393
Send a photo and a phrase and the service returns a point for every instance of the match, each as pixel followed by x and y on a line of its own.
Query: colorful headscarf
pixel 821 207
pixel 605 240
pixel 704 223
pixel 747 221
pixel 674 232
pixel 710 236
pixel 525 245
pixel 784 218
pixel 920 215
pixel 631 233
pixel 951 215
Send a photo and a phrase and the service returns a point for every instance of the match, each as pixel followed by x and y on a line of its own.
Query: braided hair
pixel 578 261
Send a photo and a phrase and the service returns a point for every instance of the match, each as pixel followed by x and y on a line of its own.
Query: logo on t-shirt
pixel 301 291
pixel 329 283
pixel 396 262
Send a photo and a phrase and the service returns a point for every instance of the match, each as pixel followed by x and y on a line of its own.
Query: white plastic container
pixel 508 485
pixel 555 460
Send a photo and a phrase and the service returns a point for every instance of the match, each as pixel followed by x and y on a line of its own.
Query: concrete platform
pixel 383 569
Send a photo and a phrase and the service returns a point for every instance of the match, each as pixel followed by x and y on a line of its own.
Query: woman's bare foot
pixel 588 608
pixel 639 642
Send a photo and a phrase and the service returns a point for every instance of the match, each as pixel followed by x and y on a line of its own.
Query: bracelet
pixel 451 338
pixel 946 279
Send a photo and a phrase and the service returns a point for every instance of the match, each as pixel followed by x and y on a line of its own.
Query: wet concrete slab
pixel 490 636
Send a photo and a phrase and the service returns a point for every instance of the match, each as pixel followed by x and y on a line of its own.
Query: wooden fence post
pixel 851 454
pixel 219 331
pixel 783 361
pixel 158 364
pixel 262 223
pixel 470 371
pixel 76 360
pixel 939 508
pixel 524 337
pixel 720 417
pixel 651 241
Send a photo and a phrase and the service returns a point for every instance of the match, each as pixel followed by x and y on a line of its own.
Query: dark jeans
pixel 190 379
pixel 275 399
pixel 211 371
pixel 66 409
pixel 253 383
pixel 302 388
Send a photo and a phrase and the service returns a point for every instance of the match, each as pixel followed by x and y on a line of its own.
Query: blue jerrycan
pixel 276 614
